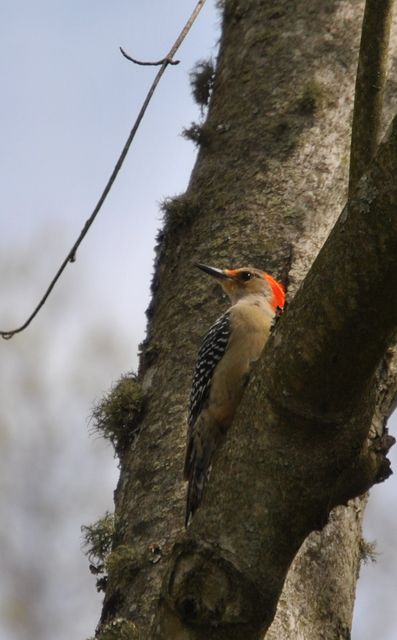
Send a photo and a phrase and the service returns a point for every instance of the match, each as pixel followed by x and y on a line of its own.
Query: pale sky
pixel 68 102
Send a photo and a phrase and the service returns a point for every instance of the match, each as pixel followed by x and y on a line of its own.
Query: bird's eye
pixel 246 275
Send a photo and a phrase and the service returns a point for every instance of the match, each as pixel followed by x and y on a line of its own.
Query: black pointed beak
pixel 212 271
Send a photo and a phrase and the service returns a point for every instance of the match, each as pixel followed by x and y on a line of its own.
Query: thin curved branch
pixel 148 64
pixel 71 256
pixel 370 84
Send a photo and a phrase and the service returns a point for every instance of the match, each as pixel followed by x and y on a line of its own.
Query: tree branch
pixel 141 63
pixel 299 443
pixel 71 256
pixel 370 84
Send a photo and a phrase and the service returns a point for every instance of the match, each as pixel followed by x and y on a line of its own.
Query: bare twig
pixel 71 256
pixel 370 83
pixel 148 64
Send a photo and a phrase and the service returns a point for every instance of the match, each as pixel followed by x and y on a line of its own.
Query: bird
pixel 231 345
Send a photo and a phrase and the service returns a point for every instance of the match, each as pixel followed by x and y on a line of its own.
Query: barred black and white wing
pixel 210 353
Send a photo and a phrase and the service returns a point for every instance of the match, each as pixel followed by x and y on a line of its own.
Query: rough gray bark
pixel 298 445
pixel 268 185
pixel 370 86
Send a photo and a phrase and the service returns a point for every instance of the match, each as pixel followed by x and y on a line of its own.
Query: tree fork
pixel 299 443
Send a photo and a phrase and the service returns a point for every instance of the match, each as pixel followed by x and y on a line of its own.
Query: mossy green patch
pixel 200 134
pixel 117 416
pixel 98 538
pixel 122 564
pixel 202 81
pixel 367 551
pixel 119 629
pixel 178 211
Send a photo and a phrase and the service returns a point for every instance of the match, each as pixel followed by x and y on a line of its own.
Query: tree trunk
pixel 269 182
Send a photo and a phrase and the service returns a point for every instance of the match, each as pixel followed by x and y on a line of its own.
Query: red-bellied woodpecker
pixel 233 342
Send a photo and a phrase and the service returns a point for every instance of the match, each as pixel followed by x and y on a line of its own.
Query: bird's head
pixel 239 283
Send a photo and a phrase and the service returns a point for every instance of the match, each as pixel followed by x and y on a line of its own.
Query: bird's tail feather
pixel 199 452
pixel 197 482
